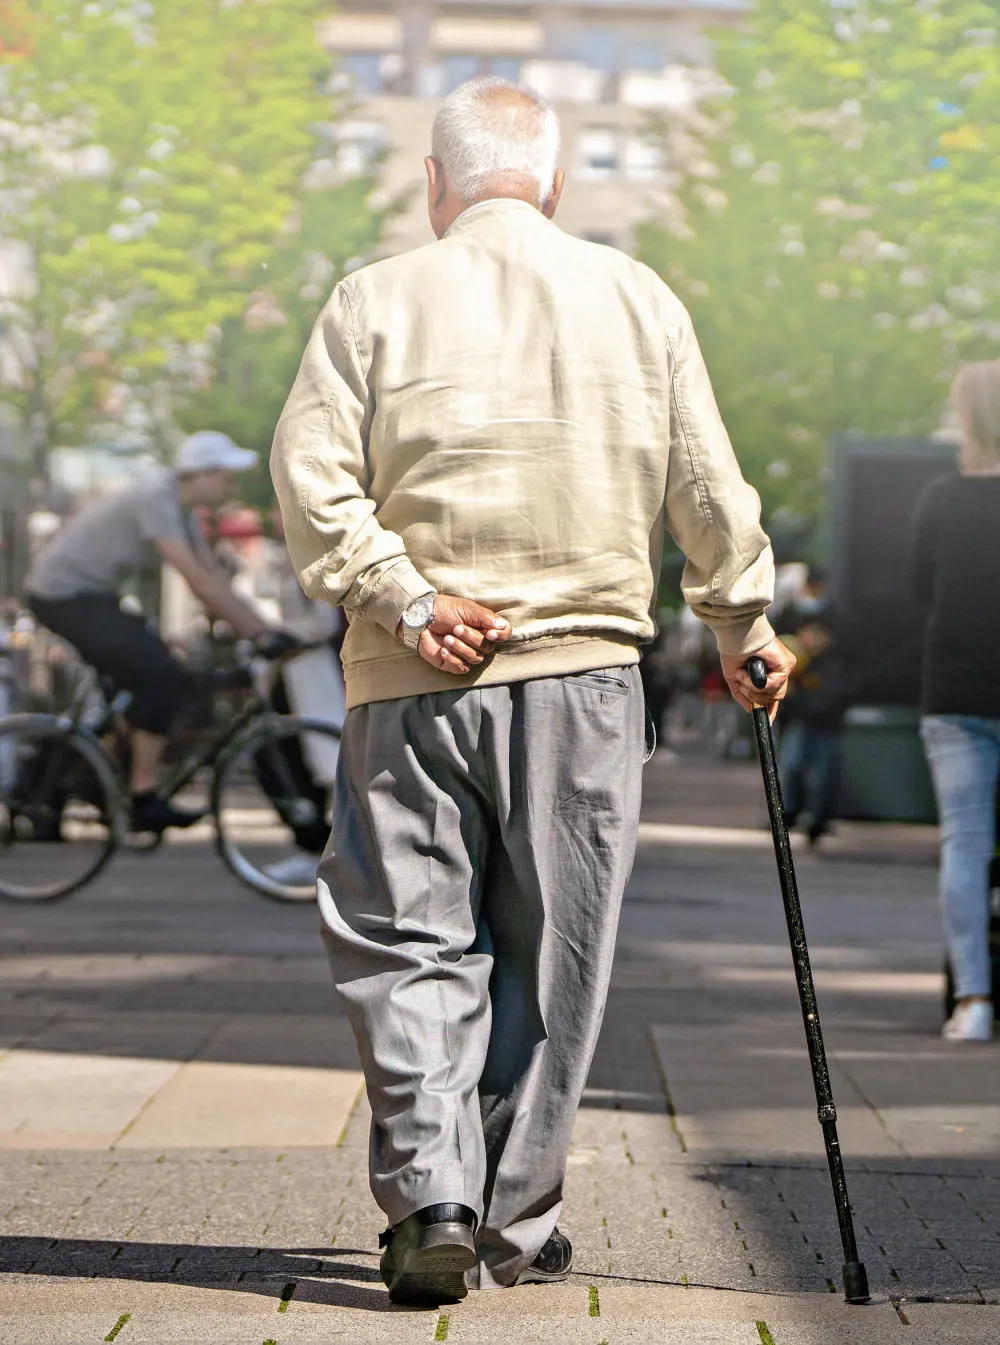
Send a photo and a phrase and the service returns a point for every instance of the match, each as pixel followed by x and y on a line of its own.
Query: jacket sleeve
pixel 712 513
pixel 319 468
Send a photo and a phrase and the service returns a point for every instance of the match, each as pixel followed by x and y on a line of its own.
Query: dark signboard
pixel 876 486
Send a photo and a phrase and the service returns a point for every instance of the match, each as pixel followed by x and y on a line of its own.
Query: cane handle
pixel 757 672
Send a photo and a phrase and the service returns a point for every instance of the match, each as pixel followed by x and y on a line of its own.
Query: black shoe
pixel 553 1262
pixel 816 833
pixel 44 826
pixel 151 813
pixel 426 1256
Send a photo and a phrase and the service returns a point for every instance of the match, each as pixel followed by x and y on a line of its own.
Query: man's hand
pixel 779 660
pixel 459 633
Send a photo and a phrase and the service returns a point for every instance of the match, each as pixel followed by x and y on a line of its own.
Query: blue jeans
pixel 808 761
pixel 964 756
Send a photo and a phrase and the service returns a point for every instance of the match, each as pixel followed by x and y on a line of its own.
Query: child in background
pixel 808 754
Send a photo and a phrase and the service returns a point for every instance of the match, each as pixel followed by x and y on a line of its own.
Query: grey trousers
pixel 470 894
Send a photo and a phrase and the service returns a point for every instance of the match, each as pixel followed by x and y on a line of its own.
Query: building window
pixel 598 47
pixel 363 69
pixel 645 53
pixel 371 72
pixel 643 160
pixel 506 67
pixel 458 68
pixel 598 154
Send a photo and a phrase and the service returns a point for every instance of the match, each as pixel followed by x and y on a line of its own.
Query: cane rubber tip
pixel 856 1282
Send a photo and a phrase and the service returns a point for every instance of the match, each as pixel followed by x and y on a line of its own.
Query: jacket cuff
pixel 744 637
pixel 398 587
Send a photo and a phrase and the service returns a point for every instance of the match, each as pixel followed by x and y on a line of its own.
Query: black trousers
pixel 120 646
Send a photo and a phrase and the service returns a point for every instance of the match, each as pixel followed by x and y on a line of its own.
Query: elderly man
pixel 477 459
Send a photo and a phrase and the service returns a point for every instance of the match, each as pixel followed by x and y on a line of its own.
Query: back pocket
pixel 602 679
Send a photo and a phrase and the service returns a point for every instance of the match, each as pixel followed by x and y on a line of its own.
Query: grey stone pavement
pixel 183 1128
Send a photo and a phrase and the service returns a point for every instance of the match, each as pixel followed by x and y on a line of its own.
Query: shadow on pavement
pixel 310 1274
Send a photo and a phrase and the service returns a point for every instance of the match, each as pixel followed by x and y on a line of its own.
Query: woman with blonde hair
pixel 955 572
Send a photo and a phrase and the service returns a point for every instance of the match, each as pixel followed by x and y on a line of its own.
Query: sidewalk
pixel 183 1130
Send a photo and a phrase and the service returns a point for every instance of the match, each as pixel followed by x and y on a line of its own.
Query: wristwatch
pixel 416 618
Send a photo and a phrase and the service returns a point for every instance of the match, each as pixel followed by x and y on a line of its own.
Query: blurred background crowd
pixel 182 182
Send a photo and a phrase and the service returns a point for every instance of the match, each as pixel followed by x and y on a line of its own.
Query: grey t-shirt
pixel 111 539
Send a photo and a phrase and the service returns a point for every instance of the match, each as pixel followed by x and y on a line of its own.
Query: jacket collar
pixel 497 205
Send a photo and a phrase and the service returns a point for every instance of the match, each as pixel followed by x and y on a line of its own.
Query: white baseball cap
pixel 212 451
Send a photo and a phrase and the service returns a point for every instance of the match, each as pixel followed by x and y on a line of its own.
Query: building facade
pixel 611 68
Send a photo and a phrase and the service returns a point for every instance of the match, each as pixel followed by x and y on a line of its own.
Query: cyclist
pixel 74 586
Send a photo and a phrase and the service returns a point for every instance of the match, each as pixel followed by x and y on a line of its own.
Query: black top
pixel 954 570
pixel 816 689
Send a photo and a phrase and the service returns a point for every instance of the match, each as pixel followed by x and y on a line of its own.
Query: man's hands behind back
pixel 461 634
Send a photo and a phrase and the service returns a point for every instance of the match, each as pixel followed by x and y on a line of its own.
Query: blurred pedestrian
pixel 476 459
pixel 659 682
pixel 809 748
pixel 311 685
pixel 954 568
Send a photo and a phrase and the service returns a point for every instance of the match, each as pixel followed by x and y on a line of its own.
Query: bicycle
pixel 64 800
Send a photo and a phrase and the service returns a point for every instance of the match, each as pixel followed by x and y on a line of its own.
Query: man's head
pixel 492 139
pixel 206 464
pixel 816 581
pixel 975 396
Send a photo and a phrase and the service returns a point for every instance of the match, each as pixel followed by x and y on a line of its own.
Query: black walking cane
pixel 855 1276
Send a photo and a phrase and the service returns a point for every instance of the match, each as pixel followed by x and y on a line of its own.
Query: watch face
pixel 420 612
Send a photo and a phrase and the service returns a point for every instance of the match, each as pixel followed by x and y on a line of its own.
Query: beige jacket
pixel 512 415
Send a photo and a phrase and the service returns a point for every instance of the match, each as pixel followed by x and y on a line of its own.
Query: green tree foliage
pixel 151 158
pixel 839 248
pixel 259 350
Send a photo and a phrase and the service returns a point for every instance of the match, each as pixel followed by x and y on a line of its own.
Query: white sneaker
pixel 970 1022
pixel 295 871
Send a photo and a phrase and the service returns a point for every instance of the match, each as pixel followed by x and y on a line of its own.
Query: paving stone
pixel 943 1324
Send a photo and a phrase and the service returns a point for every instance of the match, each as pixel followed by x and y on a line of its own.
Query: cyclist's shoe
pixel 41 825
pixel 86 788
pixel 151 813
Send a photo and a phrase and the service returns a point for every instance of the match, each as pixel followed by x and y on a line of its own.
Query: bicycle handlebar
pixel 279 646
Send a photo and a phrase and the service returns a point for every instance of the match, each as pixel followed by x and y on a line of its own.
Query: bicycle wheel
pixel 59 809
pixel 271 800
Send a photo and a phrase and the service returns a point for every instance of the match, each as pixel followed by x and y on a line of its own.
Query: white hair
pixel 489 129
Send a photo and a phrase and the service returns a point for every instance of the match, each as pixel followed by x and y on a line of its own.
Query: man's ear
pixel 552 203
pixel 436 185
